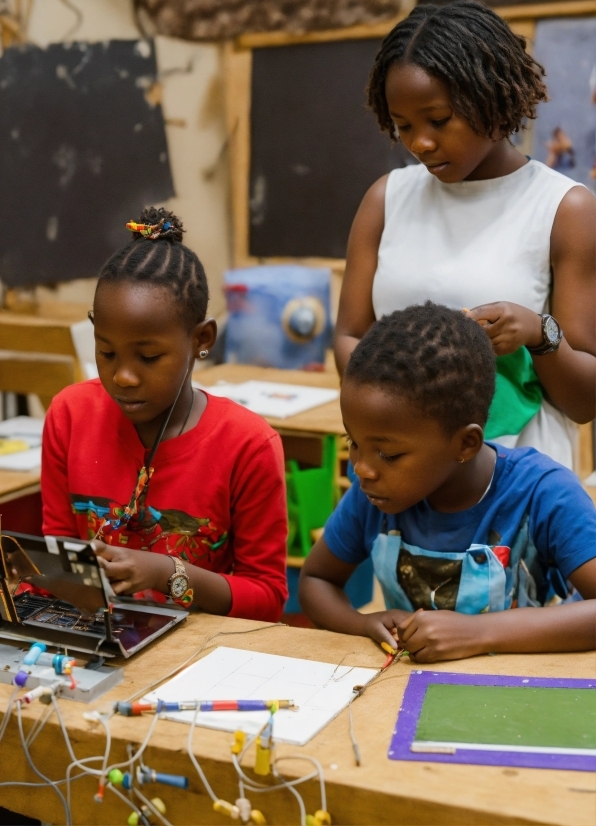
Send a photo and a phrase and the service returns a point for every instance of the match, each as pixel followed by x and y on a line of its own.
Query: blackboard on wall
pixel 315 147
pixel 82 150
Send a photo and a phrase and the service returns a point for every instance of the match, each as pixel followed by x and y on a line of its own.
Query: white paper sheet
pixel 267 398
pixel 28 430
pixel 321 690
pixel 25 460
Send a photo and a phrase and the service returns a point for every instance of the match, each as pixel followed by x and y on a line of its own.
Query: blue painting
pixel 564 136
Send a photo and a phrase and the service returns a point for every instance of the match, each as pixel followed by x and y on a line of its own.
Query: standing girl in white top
pixel 476 224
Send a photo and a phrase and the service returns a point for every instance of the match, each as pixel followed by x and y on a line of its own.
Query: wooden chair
pixel 38 352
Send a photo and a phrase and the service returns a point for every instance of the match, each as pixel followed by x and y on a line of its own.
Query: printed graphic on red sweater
pixel 192 538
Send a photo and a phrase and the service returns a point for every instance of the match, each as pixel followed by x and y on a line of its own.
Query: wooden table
pixel 17 483
pixel 322 420
pixel 380 791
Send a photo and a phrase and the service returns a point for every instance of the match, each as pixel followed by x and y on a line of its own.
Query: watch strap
pixel 180 571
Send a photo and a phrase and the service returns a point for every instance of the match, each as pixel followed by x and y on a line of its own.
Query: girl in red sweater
pixel 183 491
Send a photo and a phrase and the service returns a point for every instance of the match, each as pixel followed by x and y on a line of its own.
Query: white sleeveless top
pixel 470 243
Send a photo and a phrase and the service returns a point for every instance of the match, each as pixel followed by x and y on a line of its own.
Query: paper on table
pixel 26 460
pixel 321 691
pixel 26 429
pixel 271 399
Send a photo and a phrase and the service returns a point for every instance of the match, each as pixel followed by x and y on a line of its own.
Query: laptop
pixel 70 602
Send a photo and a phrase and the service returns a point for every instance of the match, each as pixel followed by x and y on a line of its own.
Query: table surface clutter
pixel 380 790
pixel 321 420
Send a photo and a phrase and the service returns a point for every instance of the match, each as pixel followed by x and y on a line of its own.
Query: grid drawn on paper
pixel 321 690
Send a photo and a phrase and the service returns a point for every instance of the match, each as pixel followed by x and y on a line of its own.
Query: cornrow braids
pixel 438 358
pixel 163 262
pixel 493 82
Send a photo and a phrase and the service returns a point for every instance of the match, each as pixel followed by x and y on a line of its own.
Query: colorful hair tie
pixel 151 231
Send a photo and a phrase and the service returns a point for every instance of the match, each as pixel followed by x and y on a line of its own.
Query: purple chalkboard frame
pixel 411 707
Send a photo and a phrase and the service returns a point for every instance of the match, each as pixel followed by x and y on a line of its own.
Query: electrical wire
pixel 8 712
pixel 196 653
pixel 49 782
pixel 151 807
pixel 194 760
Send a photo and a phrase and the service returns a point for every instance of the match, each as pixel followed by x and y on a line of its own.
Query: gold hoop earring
pixel 461 461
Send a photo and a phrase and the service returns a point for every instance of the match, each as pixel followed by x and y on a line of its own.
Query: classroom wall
pixel 193 103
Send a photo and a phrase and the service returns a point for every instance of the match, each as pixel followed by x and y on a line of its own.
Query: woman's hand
pixel 429 636
pixel 509 326
pixel 130 571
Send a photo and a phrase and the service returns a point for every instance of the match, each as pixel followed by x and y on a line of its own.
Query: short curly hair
pixel 438 358
pixel 493 82
pixel 164 262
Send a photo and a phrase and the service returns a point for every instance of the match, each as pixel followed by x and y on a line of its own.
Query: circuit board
pixel 57 613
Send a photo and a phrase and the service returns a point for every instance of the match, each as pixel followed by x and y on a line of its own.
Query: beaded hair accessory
pixel 150 231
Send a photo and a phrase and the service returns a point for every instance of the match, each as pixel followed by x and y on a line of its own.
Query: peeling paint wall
pixel 191 90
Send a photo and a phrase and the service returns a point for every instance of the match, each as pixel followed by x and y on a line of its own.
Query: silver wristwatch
pixel 552 335
pixel 179 581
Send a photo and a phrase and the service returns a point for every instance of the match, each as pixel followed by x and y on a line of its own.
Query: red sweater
pixel 216 498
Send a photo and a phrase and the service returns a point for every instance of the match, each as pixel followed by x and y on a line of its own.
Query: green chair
pixel 311 497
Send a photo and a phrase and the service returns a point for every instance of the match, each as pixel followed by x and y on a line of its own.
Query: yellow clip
pixel 239 740
pixel 386 647
pixel 262 761
pixel 258 817
pixel 322 818
pixel 225 808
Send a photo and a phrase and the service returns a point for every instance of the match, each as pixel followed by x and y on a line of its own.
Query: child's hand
pixel 429 636
pixel 509 326
pixel 130 571
pixel 382 625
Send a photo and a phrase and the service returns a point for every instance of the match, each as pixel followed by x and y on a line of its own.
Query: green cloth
pixel 518 395
pixel 509 716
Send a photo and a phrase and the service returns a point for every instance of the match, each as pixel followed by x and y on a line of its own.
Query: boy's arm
pixel 446 635
pixel 323 599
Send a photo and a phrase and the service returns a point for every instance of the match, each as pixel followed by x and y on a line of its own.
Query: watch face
pixel 178 586
pixel 551 330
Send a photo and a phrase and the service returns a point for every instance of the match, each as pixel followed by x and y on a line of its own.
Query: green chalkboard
pixel 509 716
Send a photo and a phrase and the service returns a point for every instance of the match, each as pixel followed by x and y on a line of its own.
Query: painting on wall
pixel 564 136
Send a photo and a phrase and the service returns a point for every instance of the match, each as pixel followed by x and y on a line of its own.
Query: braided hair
pixel 163 262
pixel 438 358
pixel 493 82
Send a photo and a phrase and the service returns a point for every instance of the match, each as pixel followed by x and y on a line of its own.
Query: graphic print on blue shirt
pixel 516 547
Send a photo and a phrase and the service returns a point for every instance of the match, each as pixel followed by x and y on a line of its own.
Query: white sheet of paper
pixel 321 690
pixel 25 460
pixel 22 427
pixel 271 399
pixel 29 430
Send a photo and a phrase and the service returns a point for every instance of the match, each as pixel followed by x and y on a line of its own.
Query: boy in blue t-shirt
pixel 458 529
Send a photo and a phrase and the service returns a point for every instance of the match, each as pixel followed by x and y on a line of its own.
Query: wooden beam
pixel 238 76
pixel 535 11
pixel 260 40
pixel 527 11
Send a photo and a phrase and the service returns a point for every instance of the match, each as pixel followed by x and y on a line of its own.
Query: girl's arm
pixel 324 601
pixel 257 587
pixel 446 635
pixel 356 312
pixel 58 516
pixel 569 374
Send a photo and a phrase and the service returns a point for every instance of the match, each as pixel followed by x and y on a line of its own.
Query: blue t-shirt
pixel 536 518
